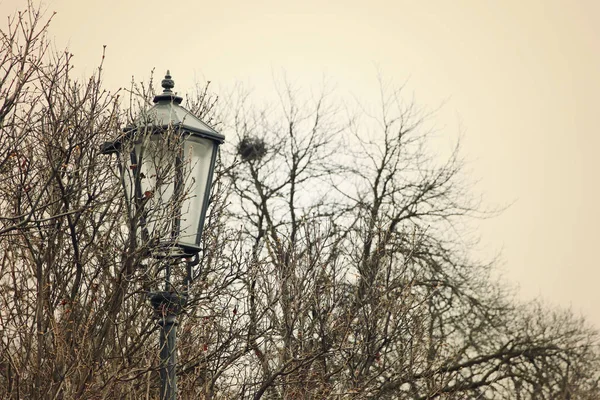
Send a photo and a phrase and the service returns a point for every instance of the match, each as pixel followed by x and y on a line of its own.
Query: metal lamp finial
pixel 167 95
pixel 168 83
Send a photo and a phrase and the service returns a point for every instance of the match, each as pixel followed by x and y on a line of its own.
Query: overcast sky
pixel 519 78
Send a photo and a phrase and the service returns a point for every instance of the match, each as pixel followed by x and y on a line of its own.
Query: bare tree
pixel 364 287
pixel 333 262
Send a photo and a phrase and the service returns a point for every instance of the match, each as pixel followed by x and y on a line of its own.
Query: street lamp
pixel 169 157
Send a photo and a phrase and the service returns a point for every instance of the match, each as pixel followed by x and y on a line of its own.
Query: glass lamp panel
pixel 129 175
pixel 155 186
pixel 197 161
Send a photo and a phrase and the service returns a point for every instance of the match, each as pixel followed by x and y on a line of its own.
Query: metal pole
pixel 168 358
pixel 167 306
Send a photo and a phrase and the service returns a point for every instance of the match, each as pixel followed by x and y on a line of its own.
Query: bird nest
pixel 252 148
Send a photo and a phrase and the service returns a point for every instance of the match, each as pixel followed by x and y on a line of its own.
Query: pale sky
pixel 518 78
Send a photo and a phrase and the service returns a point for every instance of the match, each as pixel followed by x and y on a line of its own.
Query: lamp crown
pixel 167 95
pixel 168 83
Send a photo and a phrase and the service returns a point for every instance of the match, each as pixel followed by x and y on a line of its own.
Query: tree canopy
pixel 332 263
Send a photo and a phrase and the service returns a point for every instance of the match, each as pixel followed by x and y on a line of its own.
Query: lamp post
pixel 169 156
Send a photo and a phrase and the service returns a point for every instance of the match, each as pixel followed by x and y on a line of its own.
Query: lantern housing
pixel 168 172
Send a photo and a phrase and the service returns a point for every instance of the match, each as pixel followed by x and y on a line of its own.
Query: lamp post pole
pixel 167 306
